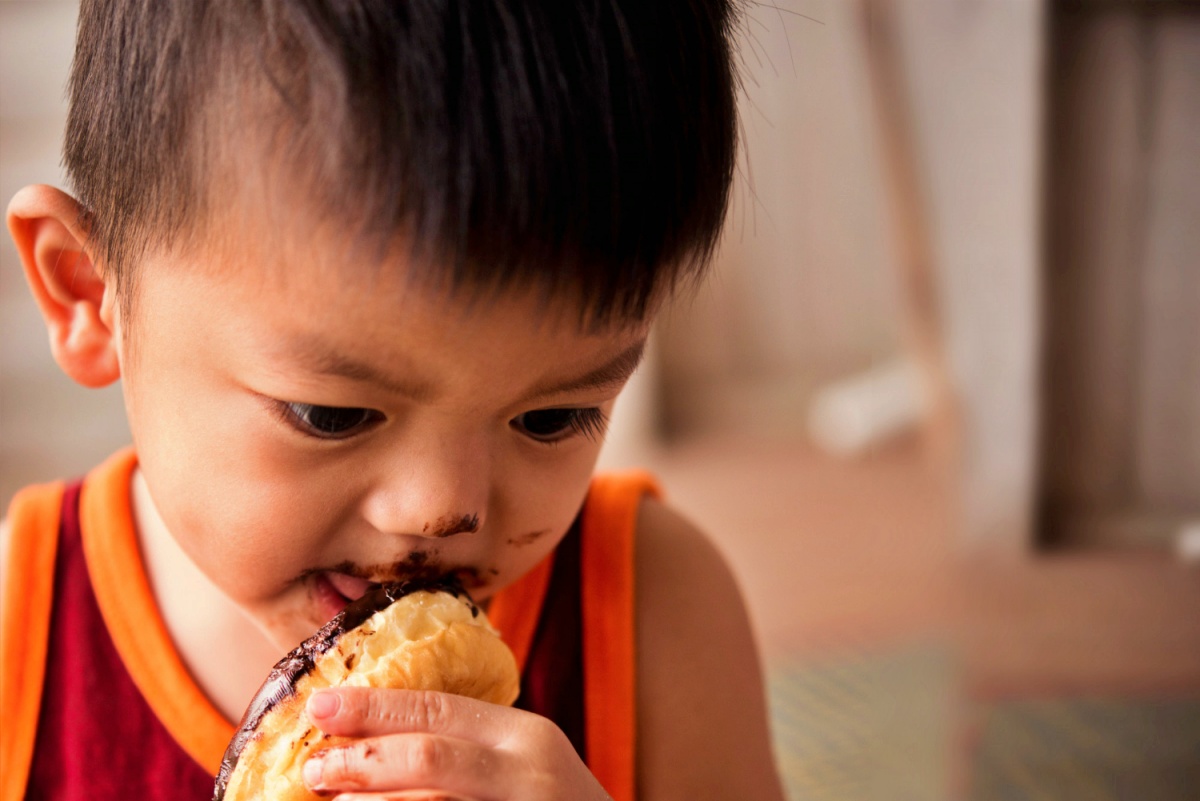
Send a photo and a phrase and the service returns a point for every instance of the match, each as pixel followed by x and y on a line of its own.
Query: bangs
pixel 581 148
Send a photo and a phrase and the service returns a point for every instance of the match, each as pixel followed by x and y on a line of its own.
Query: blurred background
pixel 939 403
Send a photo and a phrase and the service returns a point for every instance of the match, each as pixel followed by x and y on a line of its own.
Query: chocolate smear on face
pixel 282 680
pixel 528 539
pixel 414 564
pixel 450 525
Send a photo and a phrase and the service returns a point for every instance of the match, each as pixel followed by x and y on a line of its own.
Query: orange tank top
pixel 603 572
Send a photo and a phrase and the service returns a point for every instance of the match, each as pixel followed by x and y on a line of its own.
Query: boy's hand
pixel 442 747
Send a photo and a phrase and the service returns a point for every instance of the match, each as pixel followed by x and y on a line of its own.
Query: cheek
pixel 536 509
pixel 250 522
pixel 237 536
pixel 545 494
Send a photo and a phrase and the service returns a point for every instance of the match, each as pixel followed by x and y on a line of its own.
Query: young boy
pixel 372 275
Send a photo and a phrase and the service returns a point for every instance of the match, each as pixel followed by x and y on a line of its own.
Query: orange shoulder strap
pixel 133 619
pixel 609 524
pixel 610 659
pixel 516 609
pixel 608 529
pixel 33 519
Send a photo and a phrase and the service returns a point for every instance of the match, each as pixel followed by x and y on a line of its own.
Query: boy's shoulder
pixel 679 568
pixel 697 662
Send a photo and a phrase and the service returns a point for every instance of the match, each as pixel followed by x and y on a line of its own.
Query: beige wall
pixel 976 76
pixel 49 427
pixel 802 292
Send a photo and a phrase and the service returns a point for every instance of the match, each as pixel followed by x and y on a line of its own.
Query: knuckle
pixel 375 707
pixel 426 711
pixel 426 756
pixel 404 710
pixel 544 732
pixel 436 709
pixel 543 738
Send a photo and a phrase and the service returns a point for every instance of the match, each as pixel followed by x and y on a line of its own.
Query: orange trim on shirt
pixel 134 622
pixel 609 635
pixel 127 603
pixel 33 519
pixel 516 609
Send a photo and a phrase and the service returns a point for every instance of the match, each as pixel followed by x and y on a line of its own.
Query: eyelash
pixel 296 414
pixel 589 422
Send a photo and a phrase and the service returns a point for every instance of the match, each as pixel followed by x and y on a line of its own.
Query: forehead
pixel 267 222
pixel 310 295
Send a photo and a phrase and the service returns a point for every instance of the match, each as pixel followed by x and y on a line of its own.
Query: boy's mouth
pixel 333 590
pixel 350 587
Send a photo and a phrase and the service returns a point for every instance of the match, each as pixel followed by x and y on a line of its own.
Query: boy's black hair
pixel 584 146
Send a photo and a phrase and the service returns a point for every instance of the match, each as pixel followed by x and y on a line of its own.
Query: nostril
pixel 448 525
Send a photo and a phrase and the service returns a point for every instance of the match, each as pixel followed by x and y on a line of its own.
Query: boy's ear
pixel 74 298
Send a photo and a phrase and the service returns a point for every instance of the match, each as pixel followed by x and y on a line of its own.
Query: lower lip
pixel 329 600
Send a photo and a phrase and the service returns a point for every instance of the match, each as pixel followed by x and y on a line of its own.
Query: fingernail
pixel 312 772
pixel 324 705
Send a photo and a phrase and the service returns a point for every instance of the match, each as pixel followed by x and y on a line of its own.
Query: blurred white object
pixel 632 433
pixel 851 415
pixel 1187 543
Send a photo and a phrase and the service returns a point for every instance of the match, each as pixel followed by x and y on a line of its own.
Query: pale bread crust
pixel 423 641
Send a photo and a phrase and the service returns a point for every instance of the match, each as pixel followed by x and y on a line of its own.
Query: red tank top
pixel 576 653
pixel 92 713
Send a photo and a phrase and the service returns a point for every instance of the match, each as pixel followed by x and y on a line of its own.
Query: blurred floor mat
pixel 1088 750
pixel 881 727
pixel 864 727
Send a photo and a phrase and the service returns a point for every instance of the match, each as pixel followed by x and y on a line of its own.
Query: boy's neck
pixel 226 654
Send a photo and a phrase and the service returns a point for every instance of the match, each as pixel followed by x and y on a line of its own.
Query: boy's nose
pixel 437 493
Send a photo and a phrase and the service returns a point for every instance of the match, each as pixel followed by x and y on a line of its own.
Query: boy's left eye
pixel 552 425
pixel 329 422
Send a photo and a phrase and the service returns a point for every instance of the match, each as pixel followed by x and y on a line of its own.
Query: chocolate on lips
pixel 471 650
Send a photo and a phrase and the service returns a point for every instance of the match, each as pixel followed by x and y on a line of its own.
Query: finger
pixel 408 762
pixel 367 712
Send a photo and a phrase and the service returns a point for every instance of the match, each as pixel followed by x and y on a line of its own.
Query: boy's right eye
pixel 329 422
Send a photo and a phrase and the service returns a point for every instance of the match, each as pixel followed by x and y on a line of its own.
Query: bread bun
pixel 415 635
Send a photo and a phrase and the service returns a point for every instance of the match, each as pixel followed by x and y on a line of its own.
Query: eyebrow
pixel 616 370
pixel 324 361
